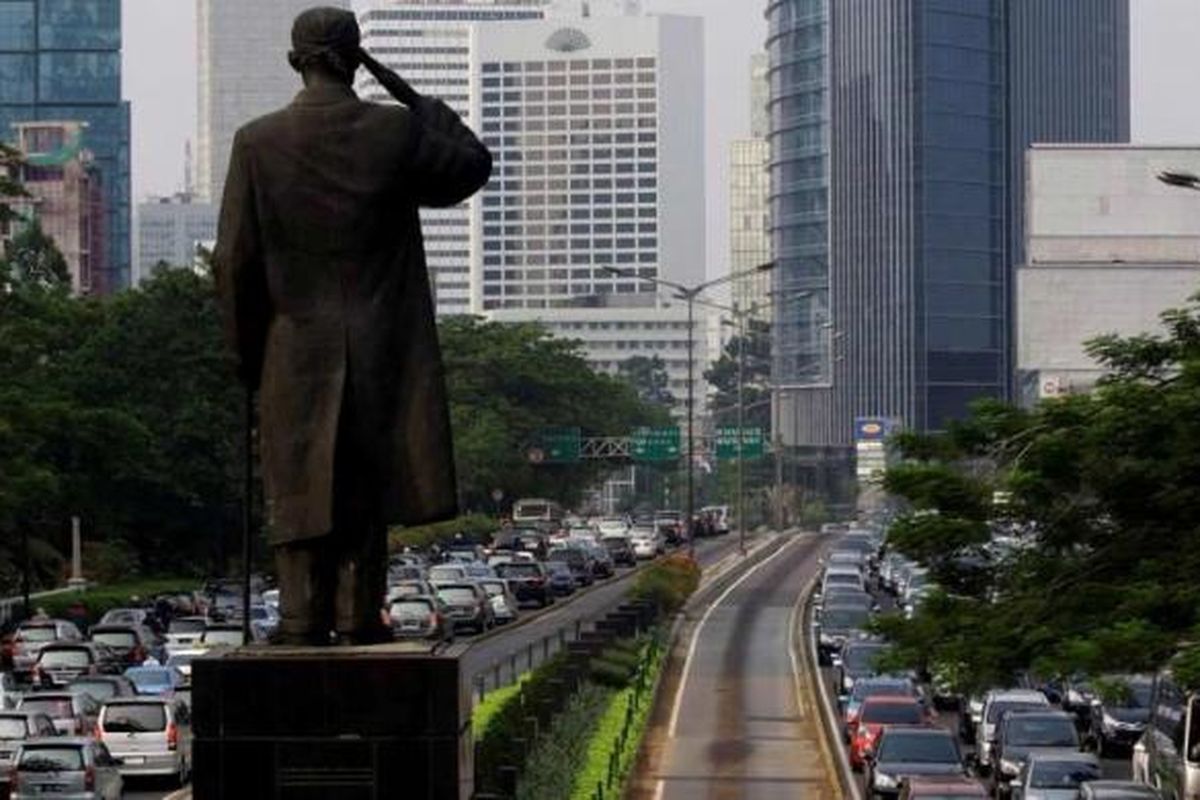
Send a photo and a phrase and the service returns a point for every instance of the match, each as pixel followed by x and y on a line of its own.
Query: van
pixel 151 736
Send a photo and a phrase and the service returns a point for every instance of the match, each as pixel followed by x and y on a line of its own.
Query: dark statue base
pixel 369 723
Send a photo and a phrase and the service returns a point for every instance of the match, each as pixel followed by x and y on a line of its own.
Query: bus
pixel 1167 756
pixel 535 509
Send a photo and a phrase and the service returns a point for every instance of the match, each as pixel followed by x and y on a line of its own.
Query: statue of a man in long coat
pixel 320 268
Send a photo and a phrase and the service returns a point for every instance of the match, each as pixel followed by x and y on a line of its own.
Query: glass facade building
pixel 60 61
pixel 899 132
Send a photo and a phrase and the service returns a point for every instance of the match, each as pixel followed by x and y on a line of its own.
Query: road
pixel 742 724
pixel 499 655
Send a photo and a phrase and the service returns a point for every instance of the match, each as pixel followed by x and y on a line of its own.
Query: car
pixel 560 578
pixel 644 544
pixel 609 526
pixel 855 661
pixel 71 768
pixel 33 635
pixel 842 575
pixel 184 633
pixel 182 660
pixel 1119 719
pixel 835 625
pixel 1055 776
pixel 1022 734
pixel 59 663
pixel 1117 790
pixel 670 525
pixel 578 560
pixel 877 713
pixel 947 788
pixel 466 605
pixel 417 616
pixel 156 680
pixel 846 598
pixel 603 565
pixel 620 549
pixel 17 727
pixel 150 736
pixel 131 644
pixel 104 687
pixel 528 580
pixel 504 602
pixel 222 635
pixel 891 685
pixel 126 617
pixel 447 573
pixel 73 713
pixel 911 752
pixel 995 703
pixel 409 588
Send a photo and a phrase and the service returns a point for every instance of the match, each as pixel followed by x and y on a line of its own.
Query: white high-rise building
pixel 428 42
pixel 243 73
pixel 597 129
pixel 168 231
pixel 749 199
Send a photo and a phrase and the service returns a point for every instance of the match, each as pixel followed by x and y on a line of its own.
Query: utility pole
pixel 741 421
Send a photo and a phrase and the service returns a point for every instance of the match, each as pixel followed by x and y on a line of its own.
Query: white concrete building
pixel 749 199
pixel 428 42
pixel 1109 249
pixel 168 230
pixel 596 125
pixel 242 73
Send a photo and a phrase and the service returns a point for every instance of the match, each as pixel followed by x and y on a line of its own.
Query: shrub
pixel 475 527
pixel 548 774
pixel 668 583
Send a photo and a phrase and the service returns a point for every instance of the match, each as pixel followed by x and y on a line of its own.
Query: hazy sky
pixel 160 80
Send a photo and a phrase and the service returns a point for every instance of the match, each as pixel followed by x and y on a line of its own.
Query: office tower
pixel 429 44
pixel 66 197
pixel 168 231
pixel 898 134
pixel 242 73
pixel 749 200
pixel 596 125
pixel 60 61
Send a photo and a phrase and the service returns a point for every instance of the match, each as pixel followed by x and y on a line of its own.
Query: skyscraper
pixel 749 199
pixel 60 61
pixel 429 43
pixel 243 73
pixel 169 229
pixel 596 125
pixel 898 133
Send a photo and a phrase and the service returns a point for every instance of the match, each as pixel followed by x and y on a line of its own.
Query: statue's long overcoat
pixel 320 268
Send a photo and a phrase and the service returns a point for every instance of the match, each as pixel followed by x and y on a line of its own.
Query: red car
pixel 877 713
pixel 941 789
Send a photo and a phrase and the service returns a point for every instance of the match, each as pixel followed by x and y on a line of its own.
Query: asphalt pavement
pixel 742 722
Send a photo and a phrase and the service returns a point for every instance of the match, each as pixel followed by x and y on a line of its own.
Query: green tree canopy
pixel 1099 539
pixel 649 378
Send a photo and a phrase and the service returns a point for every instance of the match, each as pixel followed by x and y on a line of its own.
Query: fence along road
pixel 742 721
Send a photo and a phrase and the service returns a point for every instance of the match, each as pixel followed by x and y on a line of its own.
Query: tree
pixel 10 189
pixel 33 258
pixel 756 376
pixel 1100 546
pixel 507 382
pixel 648 377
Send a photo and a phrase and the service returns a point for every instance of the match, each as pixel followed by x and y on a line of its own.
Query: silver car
pixel 15 728
pixel 74 768
pixel 151 736
pixel 1055 776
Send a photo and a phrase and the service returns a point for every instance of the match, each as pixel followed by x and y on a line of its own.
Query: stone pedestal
pixel 374 723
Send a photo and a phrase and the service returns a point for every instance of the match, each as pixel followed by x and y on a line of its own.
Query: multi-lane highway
pixel 739 722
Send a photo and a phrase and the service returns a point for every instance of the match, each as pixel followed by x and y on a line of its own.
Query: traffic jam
pixel 900 734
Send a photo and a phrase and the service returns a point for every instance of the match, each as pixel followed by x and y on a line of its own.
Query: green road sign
pixel 557 446
pixel 655 444
pixel 753 443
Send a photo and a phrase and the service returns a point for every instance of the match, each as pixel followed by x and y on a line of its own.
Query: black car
pixel 1119 714
pixel 560 578
pixel 60 663
pixel 579 561
pixel 911 752
pixel 467 605
pixel 620 549
pixel 528 580
pixel 420 617
pixel 1022 734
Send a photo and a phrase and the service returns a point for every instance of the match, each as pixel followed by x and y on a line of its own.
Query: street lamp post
pixel 689 295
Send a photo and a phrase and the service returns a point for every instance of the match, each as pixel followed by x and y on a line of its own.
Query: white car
pixel 150 736
pixel 612 526
pixel 184 633
pixel 643 546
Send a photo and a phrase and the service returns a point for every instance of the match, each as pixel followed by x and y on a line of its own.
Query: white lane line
pixel 833 735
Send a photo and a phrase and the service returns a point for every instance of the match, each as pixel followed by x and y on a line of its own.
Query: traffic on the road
pixel 902 734
pixel 104 711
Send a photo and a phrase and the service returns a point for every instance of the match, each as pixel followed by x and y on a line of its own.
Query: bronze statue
pixel 321 273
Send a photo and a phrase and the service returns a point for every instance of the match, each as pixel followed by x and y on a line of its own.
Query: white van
pixel 150 735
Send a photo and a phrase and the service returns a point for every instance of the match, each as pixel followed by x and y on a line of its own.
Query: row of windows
pixel 576 124
pixel 576 139
pixel 576 229
pixel 507 184
pixel 435 15
pixel 538 96
pixel 575 65
pixel 60 25
pixel 62 77
pixel 644 243
pixel 543 274
pixel 420 51
pixel 563 289
pixel 577 168
pixel 621 198
pixel 598 79
pixel 559 213
pixel 621 326
pixel 563 109
pixel 413 33
pixel 560 258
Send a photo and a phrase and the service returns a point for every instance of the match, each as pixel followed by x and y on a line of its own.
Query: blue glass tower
pixel 60 60
pixel 899 130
